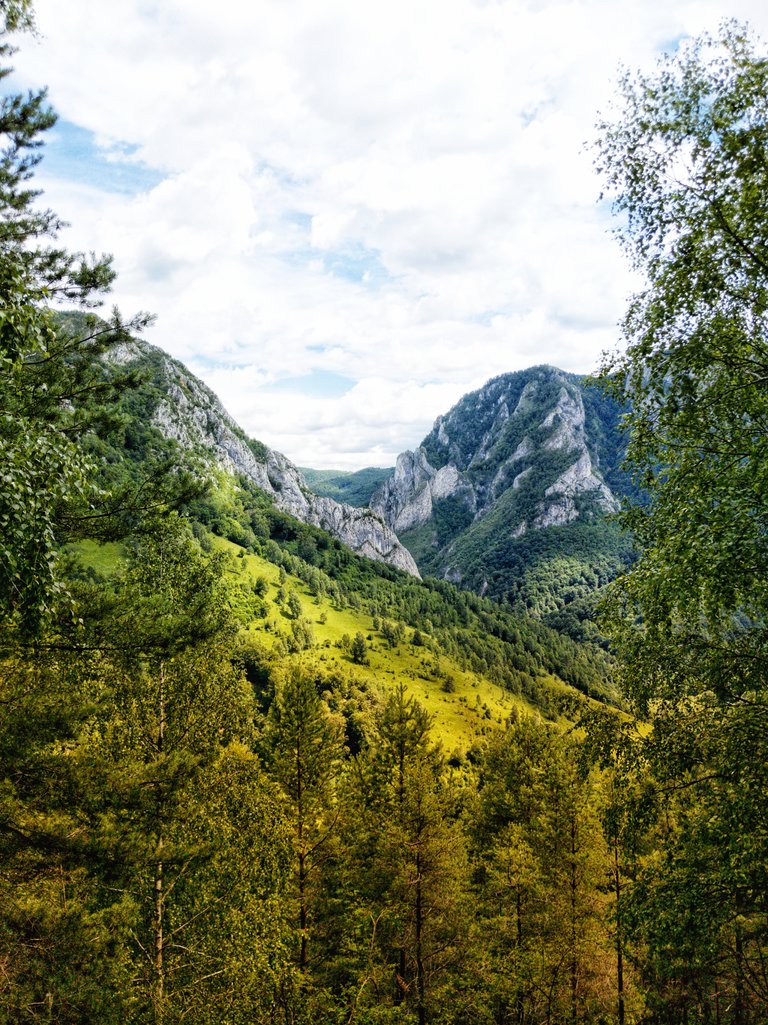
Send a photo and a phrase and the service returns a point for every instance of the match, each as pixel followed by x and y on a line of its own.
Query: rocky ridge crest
pixel 190 413
pixel 520 448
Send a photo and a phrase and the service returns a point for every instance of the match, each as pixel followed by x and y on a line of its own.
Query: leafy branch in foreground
pixel 685 161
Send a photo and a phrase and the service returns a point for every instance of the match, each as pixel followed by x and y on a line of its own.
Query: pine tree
pixel 406 867
pixel 187 817
pixel 359 650
pixel 541 885
pixel 53 383
pixel 304 747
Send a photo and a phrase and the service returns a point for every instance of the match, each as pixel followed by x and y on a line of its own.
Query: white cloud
pixel 397 193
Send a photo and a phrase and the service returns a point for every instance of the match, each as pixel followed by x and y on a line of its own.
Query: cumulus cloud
pixel 399 194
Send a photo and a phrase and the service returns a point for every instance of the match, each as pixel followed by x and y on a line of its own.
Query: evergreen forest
pixel 249 777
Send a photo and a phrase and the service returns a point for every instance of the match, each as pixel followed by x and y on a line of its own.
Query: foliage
pixel 303 744
pixel 359 649
pixel 53 382
pixel 541 863
pixel 355 488
pixel 684 159
pixel 139 722
pixel 220 794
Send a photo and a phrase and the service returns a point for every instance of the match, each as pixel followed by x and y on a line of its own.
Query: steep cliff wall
pixel 526 452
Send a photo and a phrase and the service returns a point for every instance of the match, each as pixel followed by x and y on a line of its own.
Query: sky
pixel 344 214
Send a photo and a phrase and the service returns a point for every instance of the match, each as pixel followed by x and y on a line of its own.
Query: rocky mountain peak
pixel 406 499
pixel 522 448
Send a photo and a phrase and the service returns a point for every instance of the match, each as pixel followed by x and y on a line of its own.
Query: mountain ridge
pixel 187 411
pixel 532 454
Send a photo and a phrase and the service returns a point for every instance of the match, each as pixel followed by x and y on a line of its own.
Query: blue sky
pixel 345 215
pixel 74 154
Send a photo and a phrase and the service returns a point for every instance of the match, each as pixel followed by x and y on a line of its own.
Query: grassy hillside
pixel 465 705
pixel 468 659
pixel 302 595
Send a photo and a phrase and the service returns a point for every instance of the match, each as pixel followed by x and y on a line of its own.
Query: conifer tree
pixel 406 866
pixel 359 649
pixel 542 879
pixel 304 747
pixel 143 851
pixel 181 810
pixel 54 385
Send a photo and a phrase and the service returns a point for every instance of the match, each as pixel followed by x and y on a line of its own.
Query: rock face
pixel 560 505
pixel 522 454
pixel 406 499
pixel 190 413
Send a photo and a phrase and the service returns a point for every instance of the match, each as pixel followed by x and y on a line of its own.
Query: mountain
pixel 183 409
pixel 507 496
pixel 355 487
pixel 260 506
pixel 511 492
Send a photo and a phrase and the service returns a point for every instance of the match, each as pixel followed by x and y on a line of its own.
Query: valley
pixel 478 739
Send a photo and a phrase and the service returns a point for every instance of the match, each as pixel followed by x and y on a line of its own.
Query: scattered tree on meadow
pixel 359 650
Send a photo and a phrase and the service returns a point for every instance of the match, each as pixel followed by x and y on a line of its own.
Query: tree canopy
pixel 52 380
pixel 685 162
pixel 199 822
pixel 685 159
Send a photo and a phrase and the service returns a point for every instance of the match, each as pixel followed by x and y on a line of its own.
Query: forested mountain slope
pixel 258 501
pixel 356 487
pixel 175 403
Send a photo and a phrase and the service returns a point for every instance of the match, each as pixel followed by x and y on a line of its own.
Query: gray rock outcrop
pixel 190 413
pixel 559 504
pixel 406 499
pixel 518 451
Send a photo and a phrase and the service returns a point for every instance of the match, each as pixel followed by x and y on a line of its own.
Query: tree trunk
pixel 739 1010
pixel 304 952
pixel 419 924
pixel 619 945
pixel 159 996
pixel 574 963
pixel 519 993
pixel 159 896
pixel 400 983
pixel 304 944
pixel 400 977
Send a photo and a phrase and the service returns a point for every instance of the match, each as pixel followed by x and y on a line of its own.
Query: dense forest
pixel 354 488
pixel 204 819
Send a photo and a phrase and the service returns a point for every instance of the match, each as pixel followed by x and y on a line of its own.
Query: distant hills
pixel 354 487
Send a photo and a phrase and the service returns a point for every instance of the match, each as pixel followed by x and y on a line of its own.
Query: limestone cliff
pixel 406 499
pixel 526 452
pixel 189 412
